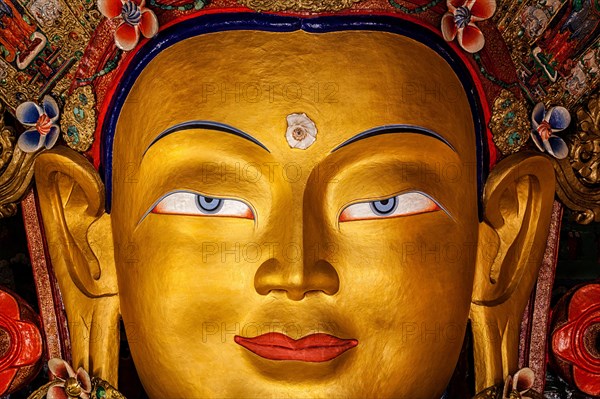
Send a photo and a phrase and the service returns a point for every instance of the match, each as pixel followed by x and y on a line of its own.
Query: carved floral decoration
pixel 544 126
pixel 20 344
pixel 134 18
pixel 459 22
pixel 42 121
pixel 72 385
pixel 518 385
pixel 575 336
pixel 69 384
pixel 585 149
pixel 301 132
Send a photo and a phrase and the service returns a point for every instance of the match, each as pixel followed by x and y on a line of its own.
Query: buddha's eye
pixel 401 205
pixel 185 203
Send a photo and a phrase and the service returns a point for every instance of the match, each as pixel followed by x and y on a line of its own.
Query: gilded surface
pixel 585 143
pixel 298 5
pixel 191 287
pixel 16 169
pixel 577 176
pixel 186 284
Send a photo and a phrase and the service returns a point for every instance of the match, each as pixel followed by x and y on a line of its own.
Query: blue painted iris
pixel 406 204
pixel 193 204
pixel 384 207
pixel 208 204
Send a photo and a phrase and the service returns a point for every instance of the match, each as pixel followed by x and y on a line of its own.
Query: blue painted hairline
pixel 274 23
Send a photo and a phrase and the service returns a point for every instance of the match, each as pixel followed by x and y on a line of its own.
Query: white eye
pixel 400 205
pixel 184 203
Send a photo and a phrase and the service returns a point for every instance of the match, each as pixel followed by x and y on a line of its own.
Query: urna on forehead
pixel 345 77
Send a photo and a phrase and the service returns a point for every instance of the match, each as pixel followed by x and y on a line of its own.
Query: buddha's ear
pixel 517 203
pixel 79 238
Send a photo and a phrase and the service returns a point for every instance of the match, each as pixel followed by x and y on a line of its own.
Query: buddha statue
pixel 306 212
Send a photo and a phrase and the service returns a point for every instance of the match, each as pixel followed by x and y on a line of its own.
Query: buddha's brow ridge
pixel 208 125
pixel 398 128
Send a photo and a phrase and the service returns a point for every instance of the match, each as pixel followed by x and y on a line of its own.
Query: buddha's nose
pixel 272 275
pixel 302 266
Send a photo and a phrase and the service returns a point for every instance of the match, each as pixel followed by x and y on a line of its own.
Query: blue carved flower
pixel 42 120
pixel 545 124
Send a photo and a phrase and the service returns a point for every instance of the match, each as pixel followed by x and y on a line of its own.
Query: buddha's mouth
pixel 312 348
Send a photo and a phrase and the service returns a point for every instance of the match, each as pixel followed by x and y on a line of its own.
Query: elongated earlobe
pixel 518 201
pixel 79 236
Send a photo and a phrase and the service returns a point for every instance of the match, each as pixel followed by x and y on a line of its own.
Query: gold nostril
pixel 268 277
pixel 322 276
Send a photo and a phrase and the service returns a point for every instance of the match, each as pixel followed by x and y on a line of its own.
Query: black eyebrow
pixel 400 128
pixel 209 125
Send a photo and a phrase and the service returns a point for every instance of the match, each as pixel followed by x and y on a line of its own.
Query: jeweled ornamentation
pixel 70 384
pixel 189 5
pixel 47 57
pixel 74 385
pixel 46 11
pixel 509 123
pixel 298 5
pixel 78 122
pixel 415 10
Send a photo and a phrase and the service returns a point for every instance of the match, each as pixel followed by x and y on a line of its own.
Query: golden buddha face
pixel 231 245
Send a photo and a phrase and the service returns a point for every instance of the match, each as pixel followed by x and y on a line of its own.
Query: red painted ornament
pixel 20 343
pixel 575 338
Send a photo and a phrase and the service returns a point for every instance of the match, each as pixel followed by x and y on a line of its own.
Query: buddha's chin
pixel 337 378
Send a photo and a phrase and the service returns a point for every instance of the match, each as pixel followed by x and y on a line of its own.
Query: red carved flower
pixel 135 19
pixel 20 341
pixel 459 22
pixel 72 385
pixel 575 341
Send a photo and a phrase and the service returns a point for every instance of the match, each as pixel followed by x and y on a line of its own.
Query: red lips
pixel 312 348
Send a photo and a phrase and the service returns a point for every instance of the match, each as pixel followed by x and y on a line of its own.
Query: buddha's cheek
pixel 406 287
pixel 183 298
